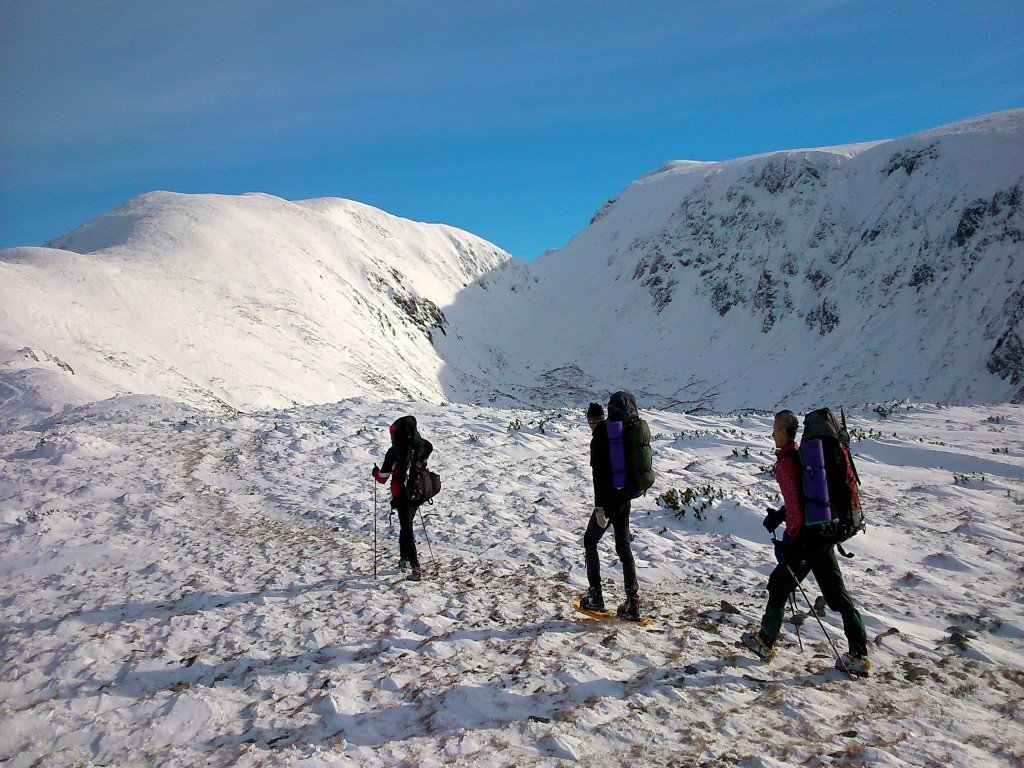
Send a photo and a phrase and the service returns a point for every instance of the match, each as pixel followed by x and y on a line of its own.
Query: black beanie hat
pixel 595 412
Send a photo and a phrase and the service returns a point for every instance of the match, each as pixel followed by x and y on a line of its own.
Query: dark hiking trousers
pixel 619 520
pixel 825 567
pixel 406 542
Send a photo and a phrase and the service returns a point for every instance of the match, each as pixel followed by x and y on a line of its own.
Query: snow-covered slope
pixel 868 271
pixel 178 589
pixel 858 273
pixel 250 301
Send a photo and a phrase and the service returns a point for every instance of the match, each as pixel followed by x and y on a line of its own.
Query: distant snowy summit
pixel 848 274
pixel 857 273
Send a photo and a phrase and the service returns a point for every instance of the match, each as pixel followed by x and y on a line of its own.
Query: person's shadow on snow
pixel 185 605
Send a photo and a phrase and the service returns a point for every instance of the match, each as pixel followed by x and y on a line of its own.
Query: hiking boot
pixel 403 564
pixel 630 610
pixel 416 574
pixel 593 601
pixel 754 642
pixel 820 605
pixel 857 665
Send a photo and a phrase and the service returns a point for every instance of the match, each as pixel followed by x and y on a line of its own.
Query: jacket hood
pixel 403 431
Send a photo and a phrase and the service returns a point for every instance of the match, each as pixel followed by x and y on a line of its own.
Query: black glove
pixel 791 552
pixel 774 518
pixel 782 550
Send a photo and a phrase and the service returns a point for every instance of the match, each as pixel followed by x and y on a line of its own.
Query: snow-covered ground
pixel 178 588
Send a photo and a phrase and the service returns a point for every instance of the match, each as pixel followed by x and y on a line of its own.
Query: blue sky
pixel 515 121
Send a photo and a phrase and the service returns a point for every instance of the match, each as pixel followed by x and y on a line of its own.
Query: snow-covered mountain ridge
pixel 868 272
pixel 250 301
pixel 886 269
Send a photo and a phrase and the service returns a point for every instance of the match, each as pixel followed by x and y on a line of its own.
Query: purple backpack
pixel 816 506
pixel 617 447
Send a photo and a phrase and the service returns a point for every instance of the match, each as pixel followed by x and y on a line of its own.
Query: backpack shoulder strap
pixel 409 460
pixel 798 465
pixel 801 494
pixel 848 455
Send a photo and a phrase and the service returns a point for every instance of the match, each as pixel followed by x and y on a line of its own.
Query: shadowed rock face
pixel 853 273
pixel 1007 362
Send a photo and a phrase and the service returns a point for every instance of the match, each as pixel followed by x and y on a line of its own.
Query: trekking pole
pixel 811 609
pixel 430 549
pixel 796 624
pixel 375 530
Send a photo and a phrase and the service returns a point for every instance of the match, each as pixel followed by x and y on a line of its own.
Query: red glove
pixel 378 476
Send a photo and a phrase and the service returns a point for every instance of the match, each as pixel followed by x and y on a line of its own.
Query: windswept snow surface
pixel 178 588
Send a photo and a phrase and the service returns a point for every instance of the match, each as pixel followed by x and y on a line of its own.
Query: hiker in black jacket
pixel 610 506
pixel 407 449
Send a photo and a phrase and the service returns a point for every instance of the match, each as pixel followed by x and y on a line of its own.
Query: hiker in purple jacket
pixel 610 506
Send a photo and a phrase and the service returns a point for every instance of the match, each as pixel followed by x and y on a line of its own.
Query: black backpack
pixel 637 438
pixel 841 476
pixel 421 484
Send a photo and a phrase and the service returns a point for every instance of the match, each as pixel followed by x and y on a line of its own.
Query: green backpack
pixel 639 455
